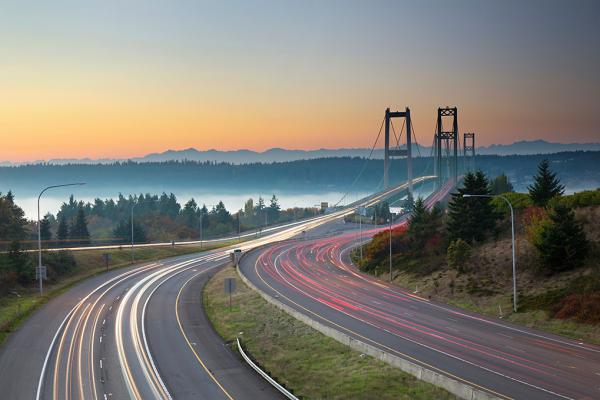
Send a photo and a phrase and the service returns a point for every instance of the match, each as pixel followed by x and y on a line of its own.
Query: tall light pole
pixel 40 228
pixel 201 214
pixel 512 223
pixel 390 246
pixel 360 230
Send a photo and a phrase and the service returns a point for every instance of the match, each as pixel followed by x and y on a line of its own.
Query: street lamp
pixel 132 207
pixel 40 229
pixel 390 247
pixel 512 222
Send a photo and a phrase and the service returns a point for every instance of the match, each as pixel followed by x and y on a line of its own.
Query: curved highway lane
pixel 138 333
pixel 317 278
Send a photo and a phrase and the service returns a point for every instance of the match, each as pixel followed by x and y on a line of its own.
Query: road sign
pixel 41 271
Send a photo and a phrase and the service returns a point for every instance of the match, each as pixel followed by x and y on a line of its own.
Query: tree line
pixel 551 225
pixel 335 173
pixel 158 218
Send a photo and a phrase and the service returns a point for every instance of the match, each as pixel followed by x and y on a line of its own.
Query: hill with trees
pixel 577 170
pixel 463 255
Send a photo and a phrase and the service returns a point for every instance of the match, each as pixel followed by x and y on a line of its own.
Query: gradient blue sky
pixel 124 78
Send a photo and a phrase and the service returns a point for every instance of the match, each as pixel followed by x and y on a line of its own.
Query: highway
pixel 139 333
pixel 315 276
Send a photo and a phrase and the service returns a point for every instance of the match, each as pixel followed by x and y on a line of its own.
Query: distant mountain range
pixel 278 155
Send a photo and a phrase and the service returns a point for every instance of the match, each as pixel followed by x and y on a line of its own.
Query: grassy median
pixel 21 303
pixel 309 363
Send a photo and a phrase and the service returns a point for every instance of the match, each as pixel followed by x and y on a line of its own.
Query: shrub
pixel 581 307
pixel 59 263
pixel 458 254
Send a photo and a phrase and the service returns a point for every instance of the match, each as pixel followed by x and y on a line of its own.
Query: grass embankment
pixel 565 303
pixel 15 308
pixel 311 364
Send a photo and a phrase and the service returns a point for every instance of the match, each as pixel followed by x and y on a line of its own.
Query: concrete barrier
pixel 456 387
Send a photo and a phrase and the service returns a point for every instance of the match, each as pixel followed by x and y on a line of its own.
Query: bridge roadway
pixel 316 277
pixel 138 333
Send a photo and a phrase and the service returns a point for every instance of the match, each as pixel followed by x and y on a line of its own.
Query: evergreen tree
pixel 545 185
pixel 561 244
pixel 12 219
pixel 274 209
pixel 203 216
pixel 62 232
pixel 189 214
pixel 249 208
pixel 260 210
pixel 500 184
pixel 472 218
pixel 79 230
pixel 45 233
pixel 418 229
pixel 221 214
pixel 123 231
pixel 20 263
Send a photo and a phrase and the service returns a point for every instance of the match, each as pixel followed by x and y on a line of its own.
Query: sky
pixel 117 79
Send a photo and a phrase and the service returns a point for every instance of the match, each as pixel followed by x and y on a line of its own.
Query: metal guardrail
pixel 262 373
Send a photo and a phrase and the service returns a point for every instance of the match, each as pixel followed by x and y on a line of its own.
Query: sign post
pixel 106 257
pixel 41 273
pixel 229 288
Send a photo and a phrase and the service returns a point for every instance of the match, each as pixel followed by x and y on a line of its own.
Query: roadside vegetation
pixel 310 364
pixel 80 224
pixel 65 269
pixel 156 218
pixel 463 255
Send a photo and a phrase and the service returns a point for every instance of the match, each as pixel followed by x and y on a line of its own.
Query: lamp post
pixel 360 230
pixel 390 247
pixel 201 214
pixel 40 229
pixel 512 223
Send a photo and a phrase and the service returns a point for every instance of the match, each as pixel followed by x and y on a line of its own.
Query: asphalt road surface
pixel 316 277
pixel 139 333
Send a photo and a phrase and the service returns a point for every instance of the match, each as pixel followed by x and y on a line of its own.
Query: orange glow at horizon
pixel 103 80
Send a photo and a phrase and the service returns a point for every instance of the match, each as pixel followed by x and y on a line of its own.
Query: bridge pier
pixel 448 140
pixel 388 153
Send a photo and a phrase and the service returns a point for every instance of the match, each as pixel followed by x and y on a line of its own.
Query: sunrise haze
pixel 123 79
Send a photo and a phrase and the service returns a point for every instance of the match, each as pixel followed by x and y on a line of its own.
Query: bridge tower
pixel 446 141
pixel 469 151
pixel 397 152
